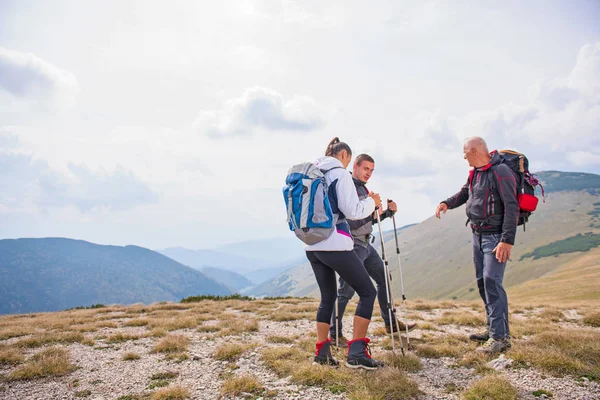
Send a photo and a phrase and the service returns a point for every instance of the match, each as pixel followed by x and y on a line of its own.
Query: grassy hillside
pixel 576 281
pixel 436 254
pixel 53 274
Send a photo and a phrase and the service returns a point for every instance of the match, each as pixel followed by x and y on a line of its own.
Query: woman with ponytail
pixel 336 254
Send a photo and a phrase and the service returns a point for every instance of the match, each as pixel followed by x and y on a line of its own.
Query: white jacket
pixel 344 196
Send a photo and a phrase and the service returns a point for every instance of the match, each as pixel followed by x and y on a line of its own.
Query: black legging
pixel 348 266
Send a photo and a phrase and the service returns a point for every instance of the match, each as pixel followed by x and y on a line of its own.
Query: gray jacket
pixel 491 197
pixel 361 229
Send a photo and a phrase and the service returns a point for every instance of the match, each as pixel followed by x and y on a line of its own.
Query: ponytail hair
pixel 335 146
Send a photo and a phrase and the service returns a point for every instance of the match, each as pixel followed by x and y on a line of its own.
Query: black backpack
pixel 526 183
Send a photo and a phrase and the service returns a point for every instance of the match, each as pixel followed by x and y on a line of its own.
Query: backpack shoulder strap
pixel 330 169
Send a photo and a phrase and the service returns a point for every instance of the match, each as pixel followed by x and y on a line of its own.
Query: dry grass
pixel 235 326
pixel 15 331
pixel 172 344
pixel 551 314
pixel 171 393
pixel 208 328
pixel 130 357
pixel 53 361
pixel 384 384
pixel 158 332
pixel 380 331
pixel 248 307
pixel 230 351
pixel 426 326
pixel 177 357
pixel 121 338
pixel 164 306
pixel 283 360
pixel 531 326
pixel 387 383
pixel 137 322
pixel 301 308
pixel 445 346
pixel 83 393
pixel 419 306
pixel 307 345
pixel 407 363
pixel 282 316
pixel 105 324
pixel 281 339
pixel 334 379
pixel 460 318
pixel 53 338
pixel 592 319
pixel 85 328
pixel 174 323
pixel 568 351
pixel 164 375
pixel 242 384
pixel 491 387
pixel 11 355
pixel 477 361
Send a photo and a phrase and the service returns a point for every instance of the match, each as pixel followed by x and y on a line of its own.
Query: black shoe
pixel 480 337
pixel 359 355
pixel 323 354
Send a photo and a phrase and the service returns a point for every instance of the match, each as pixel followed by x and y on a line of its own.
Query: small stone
pixel 500 363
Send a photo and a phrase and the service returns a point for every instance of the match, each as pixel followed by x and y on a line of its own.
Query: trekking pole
pixel 401 282
pixel 388 289
pixel 336 312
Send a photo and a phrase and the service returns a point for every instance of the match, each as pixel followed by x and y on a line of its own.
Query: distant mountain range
pixel 234 281
pixel 54 274
pixel 436 254
pixel 256 260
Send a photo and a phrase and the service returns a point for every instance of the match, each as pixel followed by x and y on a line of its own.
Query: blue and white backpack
pixel 309 212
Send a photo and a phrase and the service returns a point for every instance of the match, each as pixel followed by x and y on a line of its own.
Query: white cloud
pixel 27 76
pixel 8 140
pixel 260 108
pixel 583 158
pixel 31 183
pixel 561 117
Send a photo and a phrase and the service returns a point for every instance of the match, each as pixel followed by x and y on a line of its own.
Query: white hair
pixel 476 142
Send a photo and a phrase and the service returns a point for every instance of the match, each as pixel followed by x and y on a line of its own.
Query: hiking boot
pixel 343 342
pixel 482 336
pixel 323 354
pixel 359 355
pixel 494 346
pixel 388 329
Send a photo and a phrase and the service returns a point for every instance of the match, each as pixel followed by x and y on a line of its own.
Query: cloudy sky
pixel 174 123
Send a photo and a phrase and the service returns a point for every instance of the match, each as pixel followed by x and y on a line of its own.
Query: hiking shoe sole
pixel 359 366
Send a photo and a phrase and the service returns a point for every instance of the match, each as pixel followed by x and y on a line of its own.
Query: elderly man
pixel 493 211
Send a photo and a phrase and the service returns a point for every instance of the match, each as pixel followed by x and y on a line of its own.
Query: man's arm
pixel 459 198
pixel 507 188
pixel 386 214
pixel 357 223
